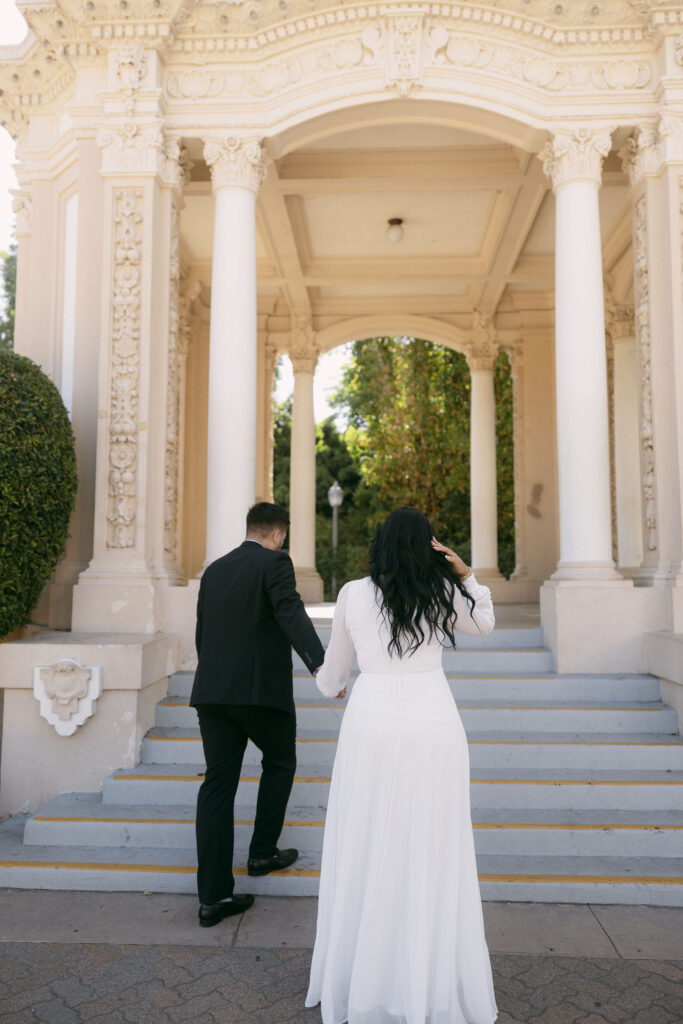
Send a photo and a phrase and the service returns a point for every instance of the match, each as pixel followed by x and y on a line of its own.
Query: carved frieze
pixel 237 162
pixel 125 367
pixel 642 319
pixel 67 692
pixel 575 156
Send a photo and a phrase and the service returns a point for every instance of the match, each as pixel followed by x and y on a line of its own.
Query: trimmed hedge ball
pixel 38 485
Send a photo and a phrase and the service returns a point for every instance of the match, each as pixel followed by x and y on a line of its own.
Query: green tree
pixel 410 402
pixel 407 403
pixel 8 299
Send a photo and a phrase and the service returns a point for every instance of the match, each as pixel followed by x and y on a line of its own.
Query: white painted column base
pixel 599 626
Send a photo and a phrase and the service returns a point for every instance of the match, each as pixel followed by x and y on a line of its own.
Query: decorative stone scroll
pixel 303 350
pixel 642 318
pixel 483 351
pixel 125 369
pixel 67 692
pixel 575 156
pixel 236 162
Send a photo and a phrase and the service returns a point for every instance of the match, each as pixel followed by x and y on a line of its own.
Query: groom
pixel 249 616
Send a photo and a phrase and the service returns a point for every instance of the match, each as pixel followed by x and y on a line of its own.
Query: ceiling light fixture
pixel 395 229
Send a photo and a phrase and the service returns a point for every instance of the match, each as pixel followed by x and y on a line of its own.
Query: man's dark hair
pixel 263 517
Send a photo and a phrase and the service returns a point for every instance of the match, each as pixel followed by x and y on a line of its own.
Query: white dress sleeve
pixel 338 664
pixel 481 620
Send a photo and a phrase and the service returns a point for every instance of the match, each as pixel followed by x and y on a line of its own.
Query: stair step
pixel 561 750
pixel 563 716
pixel 83 820
pixel 173 784
pixel 653 880
pixel 498 687
pixel 486 659
pixel 509 637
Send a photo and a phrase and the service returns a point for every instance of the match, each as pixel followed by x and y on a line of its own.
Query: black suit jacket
pixel 249 616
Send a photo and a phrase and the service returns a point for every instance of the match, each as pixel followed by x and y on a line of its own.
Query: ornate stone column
pixel 574 162
pixel 483 485
pixel 304 355
pixel 135 535
pixel 237 169
pixel 624 435
pixel 653 161
pixel 267 362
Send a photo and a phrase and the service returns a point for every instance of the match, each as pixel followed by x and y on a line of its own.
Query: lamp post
pixel 335 496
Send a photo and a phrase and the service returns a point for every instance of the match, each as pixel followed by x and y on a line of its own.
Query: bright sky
pixel 13 30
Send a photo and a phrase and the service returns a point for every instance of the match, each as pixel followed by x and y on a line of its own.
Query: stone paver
pixel 75 983
pixel 127 958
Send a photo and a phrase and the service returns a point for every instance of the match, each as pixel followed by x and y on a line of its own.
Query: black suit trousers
pixel 225 730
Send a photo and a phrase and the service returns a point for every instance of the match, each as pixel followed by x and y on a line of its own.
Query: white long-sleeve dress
pixel 400 936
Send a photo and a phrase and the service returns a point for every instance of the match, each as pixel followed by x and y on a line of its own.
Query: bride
pixel 400 936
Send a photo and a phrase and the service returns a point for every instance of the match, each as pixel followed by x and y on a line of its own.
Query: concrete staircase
pixel 577 790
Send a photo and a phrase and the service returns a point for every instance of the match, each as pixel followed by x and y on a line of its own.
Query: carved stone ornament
pixel 236 162
pixel 576 156
pixel 642 316
pixel 125 367
pixel 483 352
pixel 21 207
pixel 67 692
pixel 131 147
pixel 652 146
pixel 303 351
pixel 641 154
pixel 405 52
pixel 173 393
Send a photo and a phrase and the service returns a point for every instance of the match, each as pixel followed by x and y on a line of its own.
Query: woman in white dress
pixel 400 936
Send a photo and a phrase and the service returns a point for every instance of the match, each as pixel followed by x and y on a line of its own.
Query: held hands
pixel 341 694
pixel 455 560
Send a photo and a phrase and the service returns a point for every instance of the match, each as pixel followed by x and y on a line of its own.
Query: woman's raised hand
pixel 455 560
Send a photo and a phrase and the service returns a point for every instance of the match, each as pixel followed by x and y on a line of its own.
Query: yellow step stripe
pixel 320 824
pixel 472 743
pixel 463 707
pixel 489 782
pixel 183 869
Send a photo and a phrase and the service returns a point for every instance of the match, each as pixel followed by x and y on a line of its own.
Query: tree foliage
pixel 407 405
pixel 37 485
pixel 8 272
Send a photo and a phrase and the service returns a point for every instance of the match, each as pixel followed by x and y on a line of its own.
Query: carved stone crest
pixel 67 692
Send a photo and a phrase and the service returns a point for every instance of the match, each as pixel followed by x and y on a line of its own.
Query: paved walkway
pixel 125 958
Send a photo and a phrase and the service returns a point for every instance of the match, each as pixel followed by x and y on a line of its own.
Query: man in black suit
pixel 249 616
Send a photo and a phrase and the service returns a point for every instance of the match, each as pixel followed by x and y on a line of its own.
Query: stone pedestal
pixel 38 763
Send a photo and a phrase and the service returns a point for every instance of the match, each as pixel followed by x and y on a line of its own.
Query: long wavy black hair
pixel 415 582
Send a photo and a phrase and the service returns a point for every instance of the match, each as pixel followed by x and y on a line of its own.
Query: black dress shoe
pixel 211 913
pixel 280 859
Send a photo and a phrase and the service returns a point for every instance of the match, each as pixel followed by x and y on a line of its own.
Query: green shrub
pixel 37 485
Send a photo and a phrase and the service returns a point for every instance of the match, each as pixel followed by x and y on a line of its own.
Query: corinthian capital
pixel 483 352
pixel 236 162
pixel 575 156
pixel 303 350
pixel 641 153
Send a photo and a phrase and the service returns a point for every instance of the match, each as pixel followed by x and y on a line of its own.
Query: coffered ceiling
pixel 478 219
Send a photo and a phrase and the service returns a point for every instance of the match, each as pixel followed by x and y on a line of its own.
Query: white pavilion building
pixel 206 185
